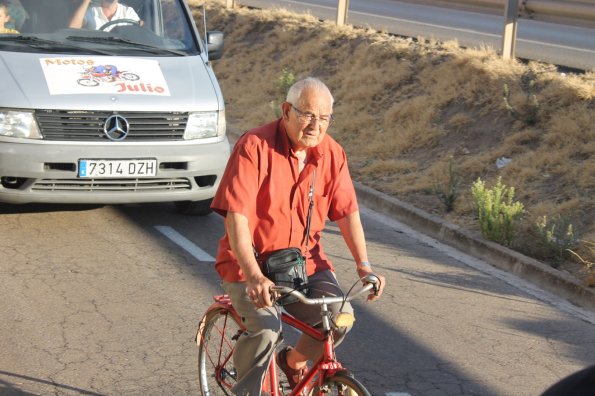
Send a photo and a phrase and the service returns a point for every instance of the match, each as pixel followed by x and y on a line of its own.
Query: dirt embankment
pixel 422 120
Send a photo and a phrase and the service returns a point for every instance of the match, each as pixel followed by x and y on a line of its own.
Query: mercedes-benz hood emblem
pixel 116 127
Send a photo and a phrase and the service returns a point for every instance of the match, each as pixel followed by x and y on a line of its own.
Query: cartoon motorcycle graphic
pixel 95 75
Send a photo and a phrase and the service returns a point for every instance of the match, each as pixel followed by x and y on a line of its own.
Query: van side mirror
pixel 215 44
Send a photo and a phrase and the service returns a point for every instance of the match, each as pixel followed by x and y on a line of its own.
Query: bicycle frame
pixel 325 367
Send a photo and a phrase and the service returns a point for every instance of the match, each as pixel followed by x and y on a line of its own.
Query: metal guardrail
pixel 574 12
pixel 580 11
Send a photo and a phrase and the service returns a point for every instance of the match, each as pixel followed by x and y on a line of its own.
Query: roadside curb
pixel 471 243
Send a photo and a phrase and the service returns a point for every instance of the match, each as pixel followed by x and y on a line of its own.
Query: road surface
pixel 104 300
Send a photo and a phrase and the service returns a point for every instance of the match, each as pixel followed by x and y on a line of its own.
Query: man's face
pixel 314 104
pixel 4 17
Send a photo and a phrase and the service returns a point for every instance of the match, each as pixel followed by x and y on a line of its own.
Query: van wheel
pixel 194 208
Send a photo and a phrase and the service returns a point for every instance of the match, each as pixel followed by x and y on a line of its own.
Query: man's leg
pixel 323 283
pixel 255 348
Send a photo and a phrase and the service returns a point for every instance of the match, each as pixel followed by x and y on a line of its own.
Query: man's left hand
pixel 375 294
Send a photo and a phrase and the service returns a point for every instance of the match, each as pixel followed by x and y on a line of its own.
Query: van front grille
pixel 74 125
pixel 118 185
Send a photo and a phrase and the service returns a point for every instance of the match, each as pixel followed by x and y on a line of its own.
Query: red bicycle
pixel 221 326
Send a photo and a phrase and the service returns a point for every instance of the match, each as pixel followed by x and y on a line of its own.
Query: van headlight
pixel 18 124
pixel 205 125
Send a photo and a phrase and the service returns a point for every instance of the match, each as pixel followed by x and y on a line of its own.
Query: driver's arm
pixel 78 17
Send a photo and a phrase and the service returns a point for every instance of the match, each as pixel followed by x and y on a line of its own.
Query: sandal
pixel 293 375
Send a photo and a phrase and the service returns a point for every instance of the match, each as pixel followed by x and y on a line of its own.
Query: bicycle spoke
pixel 217 341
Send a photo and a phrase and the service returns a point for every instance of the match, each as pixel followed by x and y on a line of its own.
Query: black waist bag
pixel 287 267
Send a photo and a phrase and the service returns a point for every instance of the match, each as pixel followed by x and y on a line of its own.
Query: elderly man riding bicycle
pixel 281 183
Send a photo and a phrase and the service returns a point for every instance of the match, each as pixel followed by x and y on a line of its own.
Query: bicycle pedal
pixel 284 386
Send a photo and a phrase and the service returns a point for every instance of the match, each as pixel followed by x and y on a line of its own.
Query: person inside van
pixel 5 18
pixel 97 16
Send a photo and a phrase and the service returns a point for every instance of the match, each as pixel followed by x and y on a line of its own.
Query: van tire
pixel 194 208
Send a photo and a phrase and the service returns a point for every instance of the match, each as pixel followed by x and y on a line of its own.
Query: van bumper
pixel 47 172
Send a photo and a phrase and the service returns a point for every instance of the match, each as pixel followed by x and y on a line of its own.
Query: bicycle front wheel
pixel 216 341
pixel 341 384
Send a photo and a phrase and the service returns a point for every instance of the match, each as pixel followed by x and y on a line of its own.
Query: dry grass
pixel 405 107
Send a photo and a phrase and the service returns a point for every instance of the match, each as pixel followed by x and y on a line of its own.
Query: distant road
pixel 559 44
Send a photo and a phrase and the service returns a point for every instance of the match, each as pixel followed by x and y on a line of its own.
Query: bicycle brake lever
pixel 371 278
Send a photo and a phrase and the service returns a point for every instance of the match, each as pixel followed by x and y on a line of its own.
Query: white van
pixel 129 111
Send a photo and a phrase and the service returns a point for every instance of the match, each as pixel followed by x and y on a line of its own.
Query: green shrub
pixel 526 112
pixel 556 238
pixel 447 190
pixel 497 213
pixel 282 85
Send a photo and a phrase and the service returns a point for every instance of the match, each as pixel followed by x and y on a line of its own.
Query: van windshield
pixel 118 27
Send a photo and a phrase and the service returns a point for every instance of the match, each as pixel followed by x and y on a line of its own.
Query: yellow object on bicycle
pixel 344 319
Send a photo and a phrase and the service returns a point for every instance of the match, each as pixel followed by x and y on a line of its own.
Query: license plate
pixel 117 168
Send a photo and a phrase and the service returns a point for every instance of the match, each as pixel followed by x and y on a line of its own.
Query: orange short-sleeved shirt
pixel 262 181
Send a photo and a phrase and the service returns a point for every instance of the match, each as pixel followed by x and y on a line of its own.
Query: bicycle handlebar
pixel 371 281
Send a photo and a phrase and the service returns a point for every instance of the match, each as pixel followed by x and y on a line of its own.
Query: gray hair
pixel 295 91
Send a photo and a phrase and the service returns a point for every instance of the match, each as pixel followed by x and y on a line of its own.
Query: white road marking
pixel 185 243
pixel 396 394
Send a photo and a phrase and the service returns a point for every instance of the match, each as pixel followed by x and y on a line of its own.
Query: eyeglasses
pixel 308 118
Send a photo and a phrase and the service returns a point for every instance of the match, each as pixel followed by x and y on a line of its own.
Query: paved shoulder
pixel 499 256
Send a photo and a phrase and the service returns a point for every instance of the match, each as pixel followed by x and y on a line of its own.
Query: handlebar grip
pixel 374 281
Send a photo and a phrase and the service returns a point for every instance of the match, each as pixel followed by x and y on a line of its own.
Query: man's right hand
pixel 258 289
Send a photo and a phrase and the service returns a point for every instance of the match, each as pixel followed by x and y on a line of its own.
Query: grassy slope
pixel 407 109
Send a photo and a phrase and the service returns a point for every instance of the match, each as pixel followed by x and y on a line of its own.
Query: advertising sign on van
pixel 103 75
